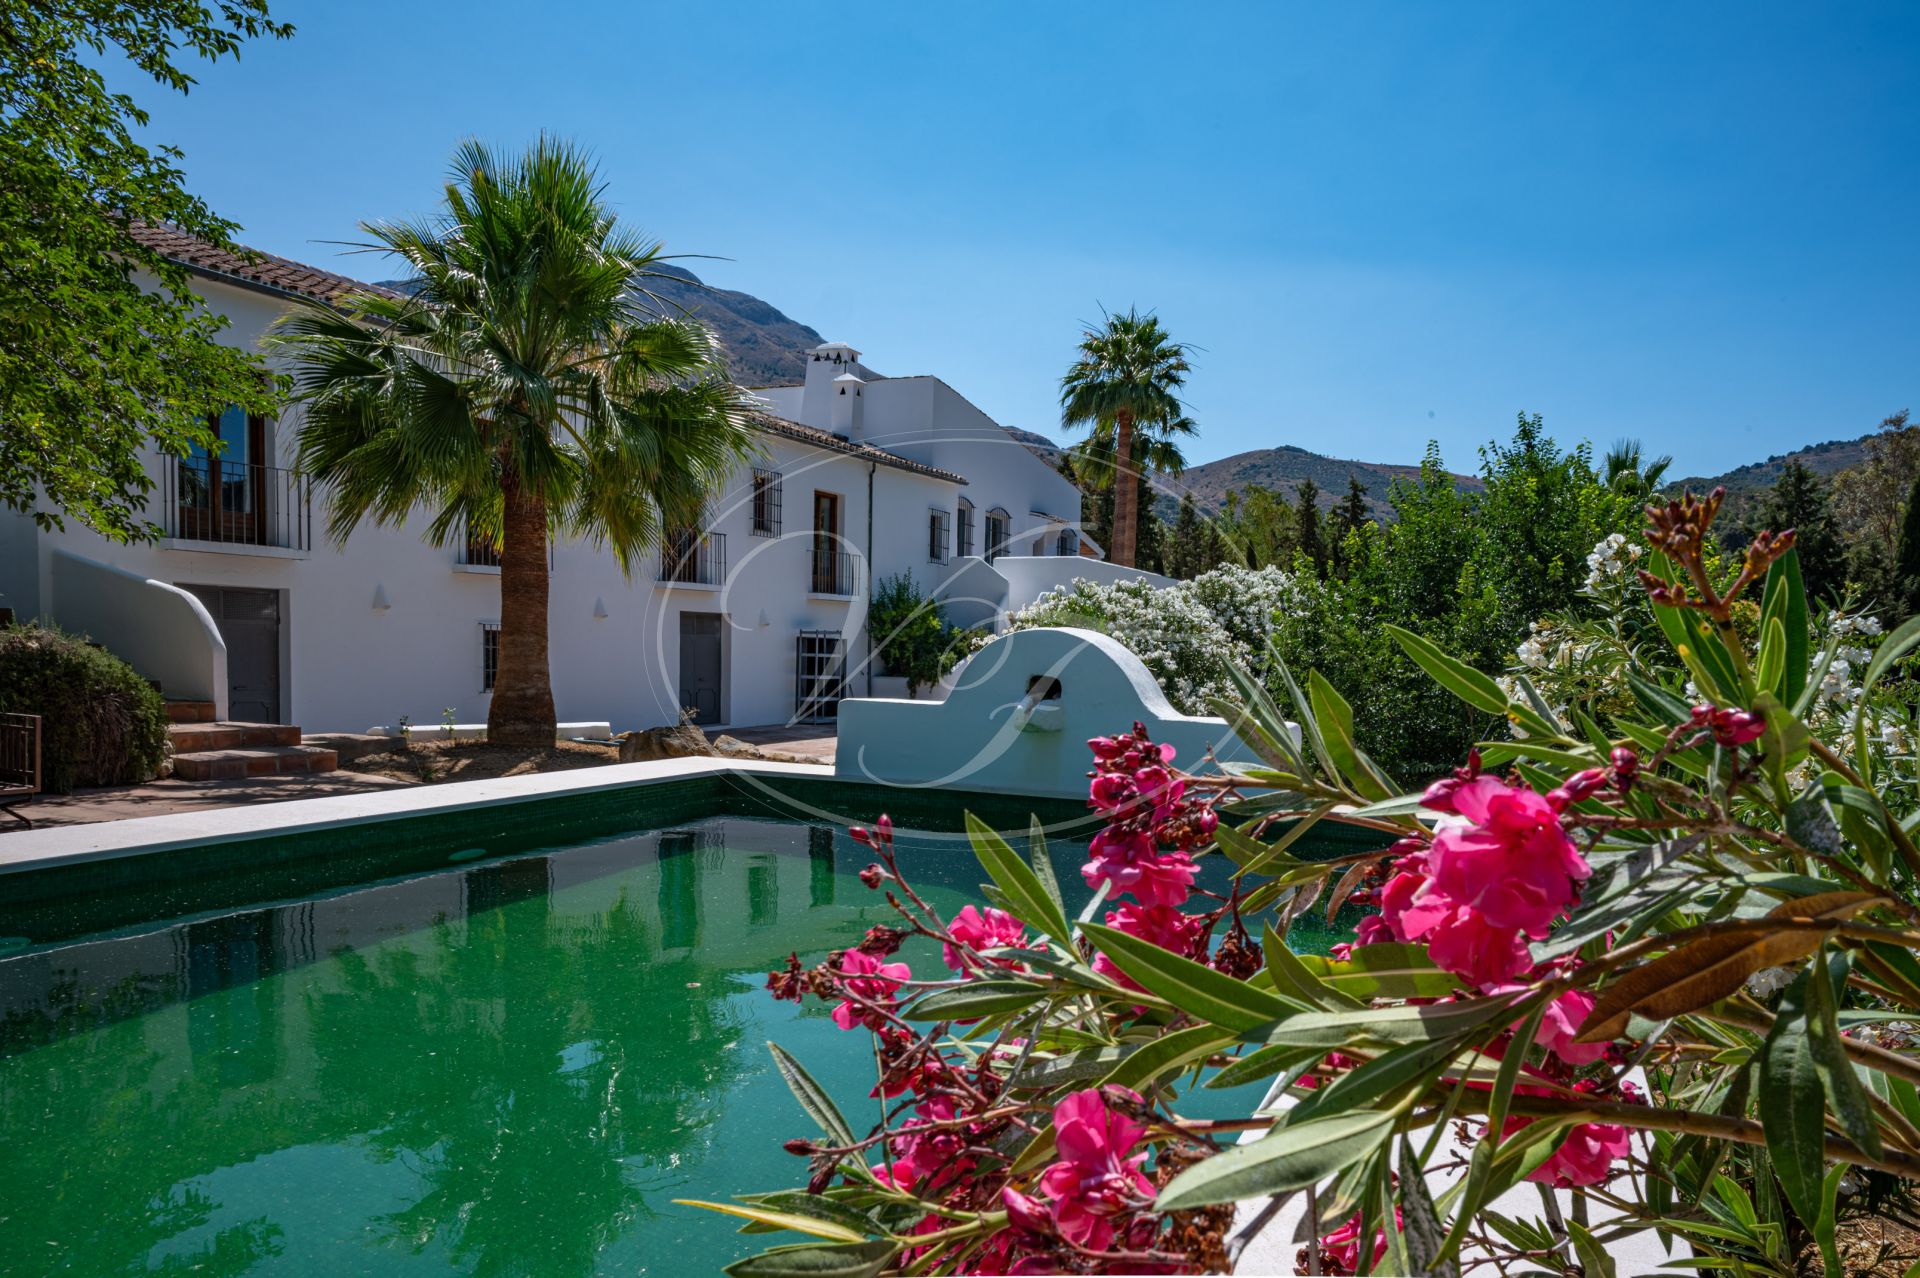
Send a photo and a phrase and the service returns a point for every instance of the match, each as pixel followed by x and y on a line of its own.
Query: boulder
pixel 680 741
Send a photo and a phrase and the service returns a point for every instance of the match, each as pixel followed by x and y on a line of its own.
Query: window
pixel 489 654
pixel 766 503
pixel 478 550
pixel 1069 542
pixel 999 524
pixel 937 536
pixel 965 529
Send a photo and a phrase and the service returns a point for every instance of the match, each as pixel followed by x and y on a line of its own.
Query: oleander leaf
pixel 1289 1157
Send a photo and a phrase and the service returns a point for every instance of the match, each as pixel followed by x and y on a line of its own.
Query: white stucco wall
pixel 346 664
pixel 979 738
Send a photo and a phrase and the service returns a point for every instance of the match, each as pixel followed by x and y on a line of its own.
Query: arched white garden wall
pixel 1018 719
pixel 160 630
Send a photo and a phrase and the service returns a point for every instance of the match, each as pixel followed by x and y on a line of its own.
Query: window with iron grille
pixel 766 503
pixel 478 550
pixel 937 536
pixel 489 654
pixel 1069 542
pixel 964 529
pixel 999 524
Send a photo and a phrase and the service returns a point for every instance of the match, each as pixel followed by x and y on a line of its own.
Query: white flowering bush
pixel 1187 634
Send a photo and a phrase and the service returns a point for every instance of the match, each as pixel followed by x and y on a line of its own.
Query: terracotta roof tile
pixel 250 266
pixel 839 444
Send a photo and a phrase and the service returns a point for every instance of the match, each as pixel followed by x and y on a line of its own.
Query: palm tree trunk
pixel 522 709
pixel 1126 491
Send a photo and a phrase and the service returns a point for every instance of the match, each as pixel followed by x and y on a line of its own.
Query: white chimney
pixel 824 363
pixel 849 407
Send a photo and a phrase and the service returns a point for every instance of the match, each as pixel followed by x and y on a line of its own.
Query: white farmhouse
pixel 756 618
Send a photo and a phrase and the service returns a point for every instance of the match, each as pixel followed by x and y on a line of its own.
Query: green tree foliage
pixel 1194 545
pixel 1258 527
pixel 1471 571
pixel 1306 525
pixel 1539 515
pixel 1124 387
pixel 1800 500
pixel 1870 504
pixel 520 391
pixel 104 349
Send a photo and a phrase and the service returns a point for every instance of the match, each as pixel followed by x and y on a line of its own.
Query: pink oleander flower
pixel 1128 862
pixel 1097 1185
pixel 1160 925
pixel 1466 944
pixel 1561 1024
pixel 1508 858
pixel 1372 930
pixel 931 1156
pixel 871 979
pixel 980 930
pixel 1111 791
pixel 1340 1250
pixel 1586 1157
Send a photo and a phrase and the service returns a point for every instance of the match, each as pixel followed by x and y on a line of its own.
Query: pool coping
pixel 28 850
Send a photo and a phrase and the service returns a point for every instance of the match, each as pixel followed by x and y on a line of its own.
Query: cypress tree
pixel 1909 557
pixel 1307 524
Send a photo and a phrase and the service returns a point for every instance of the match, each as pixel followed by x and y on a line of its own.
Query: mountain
pixel 1283 468
pixel 1822 459
pixel 1039 445
pixel 764 347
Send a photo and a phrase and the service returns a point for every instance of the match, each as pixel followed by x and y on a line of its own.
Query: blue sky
pixel 1692 224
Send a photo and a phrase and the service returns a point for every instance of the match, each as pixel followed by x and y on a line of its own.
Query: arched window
pixel 999 524
pixel 963 529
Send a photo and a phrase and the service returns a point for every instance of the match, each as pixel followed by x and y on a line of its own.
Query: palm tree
pixel 1123 386
pixel 1626 472
pixel 521 390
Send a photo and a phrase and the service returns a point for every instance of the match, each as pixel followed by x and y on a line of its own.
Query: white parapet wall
pixel 160 630
pixel 1018 717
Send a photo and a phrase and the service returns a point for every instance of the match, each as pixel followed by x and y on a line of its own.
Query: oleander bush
pixel 101 724
pixel 1656 949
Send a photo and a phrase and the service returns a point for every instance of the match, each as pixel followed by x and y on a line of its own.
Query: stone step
pixel 351 746
pixel 227 765
pixel 190 712
pixel 191 738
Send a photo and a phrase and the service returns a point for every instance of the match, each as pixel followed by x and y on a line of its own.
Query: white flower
pixel 1769 981
pixel 1610 560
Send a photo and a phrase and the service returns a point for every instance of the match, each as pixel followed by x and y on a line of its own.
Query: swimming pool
pixel 506 1064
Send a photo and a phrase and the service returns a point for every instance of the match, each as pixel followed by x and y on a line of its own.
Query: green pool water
pixel 510 1067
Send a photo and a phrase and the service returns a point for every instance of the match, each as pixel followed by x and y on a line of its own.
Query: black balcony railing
pixel 833 572
pixel 694 558
pixel 242 503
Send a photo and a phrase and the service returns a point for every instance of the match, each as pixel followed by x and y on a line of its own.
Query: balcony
pixel 834 573
pixel 235 503
pixel 693 559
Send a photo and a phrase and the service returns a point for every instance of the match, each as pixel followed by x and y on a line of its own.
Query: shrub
pixel 911 636
pixel 1174 631
pixel 101 724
